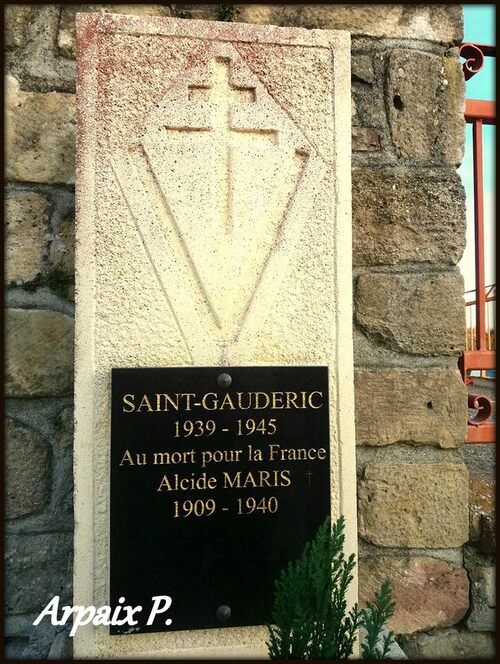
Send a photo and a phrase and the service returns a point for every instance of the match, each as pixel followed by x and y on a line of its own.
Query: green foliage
pixel 309 612
pixel 310 618
pixel 402 640
pixel 373 619
pixel 227 12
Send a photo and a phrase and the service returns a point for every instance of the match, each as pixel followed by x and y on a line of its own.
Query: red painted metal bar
pixel 477 132
pixel 474 55
pixel 483 406
pixel 483 433
pixel 483 357
pixel 478 109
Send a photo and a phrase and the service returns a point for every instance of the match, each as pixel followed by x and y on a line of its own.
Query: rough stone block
pixel 439 23
pixel 17 19
pixel 425 106
pixel 362 68
pixel 25 235
pixel 15 646
pixel 451 644
pixel 426 406
pixel 62 245
pixel 37 567
pixel 39 135
pixel 64 426
pixel 67 34
pixel 420 314
pixel 401 216
pixel 365 139
pixel 36 65
pixel 428 593
pixel 39 353
pixel 27 463
pixel 482 513
pixel 481 570
pixel 414 505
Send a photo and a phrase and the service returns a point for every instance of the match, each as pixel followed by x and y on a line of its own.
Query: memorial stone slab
pixel 213 383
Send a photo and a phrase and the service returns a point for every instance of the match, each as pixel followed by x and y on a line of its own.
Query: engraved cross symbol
pixel 223 94
pixel 309 475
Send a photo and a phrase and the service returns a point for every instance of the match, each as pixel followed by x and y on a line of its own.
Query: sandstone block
pixel 39 353
pixel 425 106
pixel 439 23
pixel 414 313
pixel 17 19
pixel 428 593
pixel 25 235
pixel 362 68
pixel 27 463
pixel 402 216
pixel 39 135
pixel 67 34
pixel 414 505
pixel 62 246
pixel 64 426
pixel 365 139
pixel 451 644
pixel 482 513
pixel 425 406
pixel 481 572
pixel 37 567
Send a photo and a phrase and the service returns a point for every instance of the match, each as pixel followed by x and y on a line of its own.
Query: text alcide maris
pixel 235 479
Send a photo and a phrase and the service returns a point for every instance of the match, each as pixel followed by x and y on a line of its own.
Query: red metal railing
pixel 479 354
pixel 471 340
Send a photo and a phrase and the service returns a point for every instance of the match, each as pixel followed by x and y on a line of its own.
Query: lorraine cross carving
pixel 222 94
pixel 223 169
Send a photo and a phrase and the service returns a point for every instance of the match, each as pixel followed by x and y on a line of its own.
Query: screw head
pixel 224 380
pixel 223 613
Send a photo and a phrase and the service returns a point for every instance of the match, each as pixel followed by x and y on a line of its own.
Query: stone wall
pixel 425 501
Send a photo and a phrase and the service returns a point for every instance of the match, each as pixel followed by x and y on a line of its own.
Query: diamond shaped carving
pixel 225 177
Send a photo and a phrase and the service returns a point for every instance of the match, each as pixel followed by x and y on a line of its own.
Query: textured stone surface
pixel 17 19
pixel 39 135
pixel 67 34
pixel 428 593
pixel 37 64
pixel 481 570
pixel 482 512
pixel 62 245
pixel 27 463
pixel 37 567
pixel 39 353
pixel 365 139
pixel 25 235
pixel 433 22
pixel 15 646
pixel 368 73
pixel 425 406
pixel 411 215
pixel 249 238
pixel 425 106
pixel 451 644
pixel 64 426
pixel 416 313
pixel 414 505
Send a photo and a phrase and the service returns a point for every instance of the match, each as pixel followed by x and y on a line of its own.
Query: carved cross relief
pixel 223 170
pixel 223 94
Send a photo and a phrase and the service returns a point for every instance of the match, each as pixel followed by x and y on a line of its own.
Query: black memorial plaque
pixel 218 478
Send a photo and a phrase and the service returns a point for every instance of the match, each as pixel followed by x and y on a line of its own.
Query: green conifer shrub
pixel 310 618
